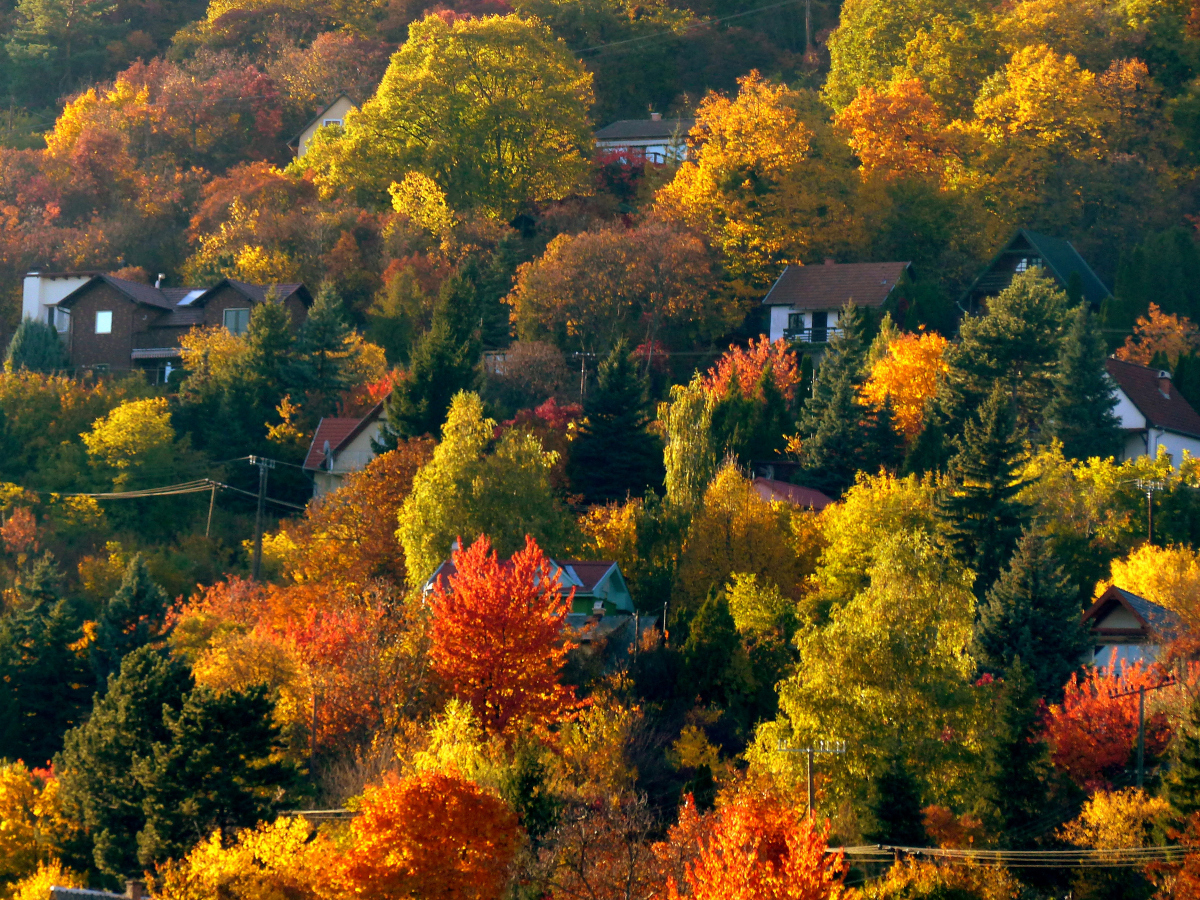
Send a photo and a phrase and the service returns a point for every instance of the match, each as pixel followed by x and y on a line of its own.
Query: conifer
pixel 1183 785
pixel 895 806
pixel 133 617
pixel 614 455
pixel 36 346
pixel 1081 412
pixel 322 347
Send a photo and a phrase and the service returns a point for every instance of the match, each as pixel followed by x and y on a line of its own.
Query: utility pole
pixel 1150 485
pixel 834 747
pixel 212 499
pixel 1140 690
pixel 263 465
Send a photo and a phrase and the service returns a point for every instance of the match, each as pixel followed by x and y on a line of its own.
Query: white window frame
pixel 329 122
pixel 235 309
pixel 104 321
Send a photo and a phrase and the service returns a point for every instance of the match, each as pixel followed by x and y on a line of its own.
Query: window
pixel 104 321
pixel 795 322
pixel 820 326
pixel 328 122
pixel 1029 262
pixel 237 320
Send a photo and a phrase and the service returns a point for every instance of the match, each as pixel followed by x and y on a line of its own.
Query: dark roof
pixel 1157 621
pixel 588 573
pixel 1059 258
pixel 180 317
pixel 644 129
pixel 783 492
pixel 831 285
pixel 171 298
pixel 339 432
pixel 1141 385
pixel 136 291
pixel 255 292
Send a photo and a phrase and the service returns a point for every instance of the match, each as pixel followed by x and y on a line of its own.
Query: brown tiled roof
pixel 644 129
pixel 134 290
pixel 809 498
pixel 180 317
pixel 831 285
pixel 258 292
pixel 1140 384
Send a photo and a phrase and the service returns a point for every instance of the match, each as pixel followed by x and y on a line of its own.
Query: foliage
pixel 1082 412
pixel 497 636
pixel 429 834
pixel 1159 333
pixel 37 347
pixel 913 879
pixel 907 378
pixel 136 615
pixel 690 457
pixel 131 433
pixel 36 833
pixel 1114 820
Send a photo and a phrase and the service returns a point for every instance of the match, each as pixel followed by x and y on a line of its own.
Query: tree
pixel 136 615
pixel 1082 411
pixel 690 457
pixel 1032 613
pixel 136 433
pixel 709 651
pixel 1183 784
pixel 753 845
pixel 908 377
pixel 613 455
pixel 473 487
pixel 755 392
pixel 1155 272
pixel 493 109
pixel 898 132
pixel 431 835
pixel 37 347
pixel 980 510
pixel 1157 332
pixel 497 636
pixel 895 805
pixel 322 351
pixel 268 355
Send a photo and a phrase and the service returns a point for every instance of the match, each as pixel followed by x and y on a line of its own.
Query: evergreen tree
pixel 1160 270
pixel 267 365
pixel 895 805
pixel 842 361
pixel 1081 412
pixel 1016 774
pixel 37 347
pixel 1186 378
pixel 752 428
pixel 1032 613
pixel 321 350
pixel 613 454
pixel 45 685
pixel 133 617
pixel 1183 784
pixel 709 651
pixel 979 508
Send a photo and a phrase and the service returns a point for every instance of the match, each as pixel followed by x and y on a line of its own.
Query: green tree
pixel 475 485
pixel 268 359
pixel 1183 784
pixel 613 454
pixel 1082 409
pixel 979 508
pixel 709 652
pixel 1158 270
pixel 321 350
pixel 1032 613
pixel 752 428
pixel 133 617
pixel 690 456
pixel 44 683
pixel 36 346
pixel 894 802
pixel 53 43
pixel 494 109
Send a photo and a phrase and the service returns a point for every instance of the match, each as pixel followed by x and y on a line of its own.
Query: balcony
pixel 818 335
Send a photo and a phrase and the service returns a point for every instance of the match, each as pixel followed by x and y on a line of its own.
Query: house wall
pixel 337 110
pixel 231 298
pixel 1174 444
pixel 354 457
pixel 41 292
pixel 89 349
pixel 779 320
pixel 1130 416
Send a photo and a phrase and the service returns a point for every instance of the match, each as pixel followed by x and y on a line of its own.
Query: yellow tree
pixel 898 131
pixel 908 376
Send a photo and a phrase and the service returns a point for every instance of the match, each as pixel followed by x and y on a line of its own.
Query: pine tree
pixel 980 510
pixel 1081 412
pixel 1183 784
pixel 321 352
pixel 752 428
pixel 1016 774
pixel 709 651
pixel 37 347
pixel 842 360
pixel 895 805
pixel 133 617
pixel 614 455
pixel 1032 613
pixel 1186 378
pixel 829 452
pixel 268 361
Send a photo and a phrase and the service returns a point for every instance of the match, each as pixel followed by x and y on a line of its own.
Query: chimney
pixel 1164 383
pixel 456 546
pixel 655 117
pixel 136 890
pixel 829 261
pixel 159 282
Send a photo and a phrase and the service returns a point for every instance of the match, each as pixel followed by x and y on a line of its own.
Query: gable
pixel 832 285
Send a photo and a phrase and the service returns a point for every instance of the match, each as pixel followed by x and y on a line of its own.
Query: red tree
pixel 498 636
pixel 747 366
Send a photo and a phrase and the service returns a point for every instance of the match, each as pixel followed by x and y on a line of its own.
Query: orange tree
pixel 753 846
pixel 908 376
pixel 435 836
pixel 498 636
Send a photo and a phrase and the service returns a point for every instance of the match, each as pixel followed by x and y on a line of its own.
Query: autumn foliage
pixel 746 367
pixel 432 835
pixel 1159 332
pixel 498 636
pixel 908 377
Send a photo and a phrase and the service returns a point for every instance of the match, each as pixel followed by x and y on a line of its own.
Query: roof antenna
pixel 159 282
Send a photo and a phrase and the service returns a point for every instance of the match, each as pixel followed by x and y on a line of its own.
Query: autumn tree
pixel 690 456
pixel 1159 333
pixel 898 131
pixel 136 615
pixel 593 289
pixel 908 377
pixel 433 834
pixel 500 125
pixel 497 636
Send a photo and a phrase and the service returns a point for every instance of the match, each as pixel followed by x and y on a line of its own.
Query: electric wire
pixel 1124 857
pixel 198 486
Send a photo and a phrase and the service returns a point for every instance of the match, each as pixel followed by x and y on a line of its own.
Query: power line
pixel 170 490
pixel 1123 857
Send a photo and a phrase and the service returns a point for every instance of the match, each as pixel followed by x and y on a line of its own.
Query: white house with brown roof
pixel 1153 413
pixel 340 446
pixel 1127 628
pixel 805 301
pixel 655 139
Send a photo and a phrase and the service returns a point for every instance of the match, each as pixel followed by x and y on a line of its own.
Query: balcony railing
pixel 811 335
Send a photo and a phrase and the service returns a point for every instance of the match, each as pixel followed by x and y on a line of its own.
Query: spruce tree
pixel 979 508
pixel 709 651
pixel 614 455
pixel 894 802
pixel 1186 378
pixel 1081 412
pixel 36 346
pixel 321 349
pixel 267 365
pixel 1183 784
pixel 843 360
pixel 133 617
pixel 1016 775
pixel 1032 613
pixel 830 451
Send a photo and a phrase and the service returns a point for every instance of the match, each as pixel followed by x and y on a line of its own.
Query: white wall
pixel 42 292
pixel 779 320
pixel 1129 414
pixel 354 457
pixel 337 110
pixel 1174 444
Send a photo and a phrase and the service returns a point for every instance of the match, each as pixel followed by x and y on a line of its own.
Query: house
pixel 333 114
pixel 598 584
pixel 1153 413
pixel 804 302
pixel 656 139
pixel 42 291
pixel 1127 628
pixel 341 446
pixel 134 890
pixel 116 325
pixel 1029 250
pixel 782 492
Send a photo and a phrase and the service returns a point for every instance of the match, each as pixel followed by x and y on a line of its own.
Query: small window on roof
pixel 104 321
pixel 237 321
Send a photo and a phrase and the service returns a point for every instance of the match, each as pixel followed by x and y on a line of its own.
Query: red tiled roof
pixel 589 572
pixel 832 285
pixel 339 432
pixel 790 493
pixel 1141 386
